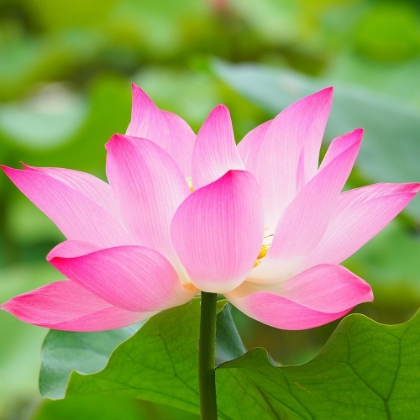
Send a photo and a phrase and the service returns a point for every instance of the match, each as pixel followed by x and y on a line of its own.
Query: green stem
pixel 207 357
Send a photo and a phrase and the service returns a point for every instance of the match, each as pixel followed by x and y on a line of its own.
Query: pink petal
pixel 182 140
pixel 339 145
pixel 312 298
pixel 293 139
pixel 131 277
pixel 218 230
pixel 90 186
pixel 64 305
pixel 148 186
pixel 215 151
pixel 359 215
pixel 71 205
pixel 249 147
pixel 72 249
pixel 147 121
pixel 306 219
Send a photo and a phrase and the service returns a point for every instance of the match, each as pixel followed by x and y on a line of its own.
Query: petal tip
pixel 139 93
pixel 115 138
pixel 219 110
pixel 328 90
pixel 9 306
pixel 12 173
pixel 6 168
pixel 222 107
pixel 357 135
pixel 326 93
pixel 137 89
pixel 27 167
pixel 415 187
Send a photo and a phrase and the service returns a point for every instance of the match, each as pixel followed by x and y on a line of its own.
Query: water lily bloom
pixel 261 222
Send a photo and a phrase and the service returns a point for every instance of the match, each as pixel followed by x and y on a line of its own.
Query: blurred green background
pixel 65 73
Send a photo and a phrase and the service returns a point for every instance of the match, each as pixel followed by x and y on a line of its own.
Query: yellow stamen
pixel 263 252
pixel 189 180
pixel 264 248
pixel 261 255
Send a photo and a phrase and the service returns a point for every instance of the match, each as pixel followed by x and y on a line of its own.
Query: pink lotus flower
pixel 260 223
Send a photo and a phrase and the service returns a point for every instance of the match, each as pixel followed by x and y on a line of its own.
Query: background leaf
pixel 20 343
pixel 45 120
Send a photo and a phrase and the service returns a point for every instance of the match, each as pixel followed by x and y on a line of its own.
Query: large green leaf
pixel 365 370
pixel 392 128
pixel 93 407
pixel 159 363
pixel 63 352
pixel 89 408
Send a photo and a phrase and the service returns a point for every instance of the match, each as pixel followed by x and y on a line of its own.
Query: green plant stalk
pixel 207 357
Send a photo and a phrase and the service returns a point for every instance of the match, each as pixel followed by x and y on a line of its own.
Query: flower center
pixel 268 239
pixel 190 184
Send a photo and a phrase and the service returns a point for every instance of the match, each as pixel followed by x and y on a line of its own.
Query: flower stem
pixel 207 356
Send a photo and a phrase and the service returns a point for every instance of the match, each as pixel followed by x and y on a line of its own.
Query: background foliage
pixel 65 69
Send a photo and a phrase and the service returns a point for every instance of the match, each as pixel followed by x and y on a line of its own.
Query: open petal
pixel 147 121
pixel 68 200
pixel 288 156
pixel 359 215
pixel 131 277
pixel 148 186
pixel 64 305
pixel 182 140
pixel 312 298
pixel 306 219
pixel 215 151
pixel 218 231
pixel 90 186
pixel 249 147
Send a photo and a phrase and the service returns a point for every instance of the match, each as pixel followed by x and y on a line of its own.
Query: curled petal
pixel 67 199
pixel 359 215
pixel 312 298
pixel 148 186
pixel 134 278
pixel 64 305
pixel 215 151
pixel 218 230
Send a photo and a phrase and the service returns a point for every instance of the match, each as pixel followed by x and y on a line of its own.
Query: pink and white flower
pixel 259 222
